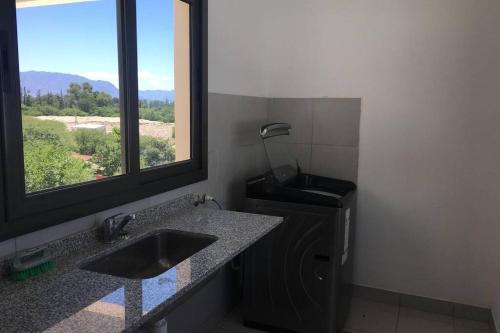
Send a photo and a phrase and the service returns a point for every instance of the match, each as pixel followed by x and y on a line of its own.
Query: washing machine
pixel 298 278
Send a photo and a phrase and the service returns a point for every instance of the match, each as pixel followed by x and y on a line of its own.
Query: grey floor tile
pixel 470 326
pixel 427 304
pixel 371 317
pixel 415 321
pixel 464 311
pixel 469 330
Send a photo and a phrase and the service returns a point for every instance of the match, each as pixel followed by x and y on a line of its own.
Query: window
pixel 70 96
pixel 103 102
pixel 163 28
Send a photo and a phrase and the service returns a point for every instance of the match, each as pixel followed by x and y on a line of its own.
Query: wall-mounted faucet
pixel 201 199
pixel 112 228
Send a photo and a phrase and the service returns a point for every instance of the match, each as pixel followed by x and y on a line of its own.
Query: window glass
pixel 70 95
pixel 163 37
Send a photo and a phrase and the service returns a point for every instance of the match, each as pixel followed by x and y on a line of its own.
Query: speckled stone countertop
pixel 70 299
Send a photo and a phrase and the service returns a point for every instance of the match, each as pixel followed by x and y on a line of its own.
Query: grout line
pixel 401 295
pixel 399 313
pixel 312 109
pixel 334 145
pixel 453 316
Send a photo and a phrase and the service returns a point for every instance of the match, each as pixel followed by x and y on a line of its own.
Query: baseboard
pixel 456 310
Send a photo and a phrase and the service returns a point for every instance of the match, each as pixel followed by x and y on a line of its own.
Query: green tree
pixel 25 94
pixel 73 95
pixel 59 101
pixel 28 99
pixel 155 152
pixel 38 99
pixel 102 99
pixel 87 88
pixel 87 103
pixel 108 155
pixel 108 159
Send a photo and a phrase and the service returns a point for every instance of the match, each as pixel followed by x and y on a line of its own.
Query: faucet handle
pixel 120 216
pixel 113 226
pixel 112 218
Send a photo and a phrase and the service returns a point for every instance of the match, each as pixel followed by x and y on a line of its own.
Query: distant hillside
pixel 46 82
pixel 157 95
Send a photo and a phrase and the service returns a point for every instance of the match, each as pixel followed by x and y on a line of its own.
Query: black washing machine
pixel 298 278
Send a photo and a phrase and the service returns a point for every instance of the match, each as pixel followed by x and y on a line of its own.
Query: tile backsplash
pixel 324 137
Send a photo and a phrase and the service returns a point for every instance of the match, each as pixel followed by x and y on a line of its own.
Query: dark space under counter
pixel 69 299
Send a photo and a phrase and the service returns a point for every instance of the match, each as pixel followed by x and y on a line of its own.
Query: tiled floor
pixel 371 317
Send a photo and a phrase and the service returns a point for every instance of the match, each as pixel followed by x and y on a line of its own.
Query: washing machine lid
pixel 329 194
pixel 302 189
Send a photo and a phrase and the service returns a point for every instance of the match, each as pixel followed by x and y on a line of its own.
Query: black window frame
pixel 22 213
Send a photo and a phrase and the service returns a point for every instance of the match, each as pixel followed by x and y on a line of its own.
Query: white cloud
pixel 147 79
pixel 150 81
pixel 37 3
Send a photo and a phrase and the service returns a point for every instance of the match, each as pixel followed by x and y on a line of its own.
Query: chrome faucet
pixel 112 228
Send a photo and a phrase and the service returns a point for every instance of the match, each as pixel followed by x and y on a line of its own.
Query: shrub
pixel 106 111
pixel 164 114
pixel 72 112
pixel 88 140
pixel 48 166
pixel 52 132
pixel 30 111
pixel 48 110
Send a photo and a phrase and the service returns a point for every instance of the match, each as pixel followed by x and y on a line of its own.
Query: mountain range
pixel 47 82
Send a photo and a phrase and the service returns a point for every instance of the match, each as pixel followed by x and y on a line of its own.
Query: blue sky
pixel 81 38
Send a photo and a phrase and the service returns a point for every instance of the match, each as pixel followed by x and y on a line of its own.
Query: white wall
pixel 429 171
pixel 236 40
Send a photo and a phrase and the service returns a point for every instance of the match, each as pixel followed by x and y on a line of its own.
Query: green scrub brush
pixel 30 264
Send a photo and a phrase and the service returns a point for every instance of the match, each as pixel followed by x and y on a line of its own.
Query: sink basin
pixel 152 255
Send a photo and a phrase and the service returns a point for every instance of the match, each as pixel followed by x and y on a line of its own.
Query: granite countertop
pixel 69 299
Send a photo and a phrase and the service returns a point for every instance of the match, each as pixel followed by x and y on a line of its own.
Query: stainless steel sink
pixel 152 255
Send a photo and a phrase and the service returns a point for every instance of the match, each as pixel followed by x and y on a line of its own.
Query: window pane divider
pixel 129 88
